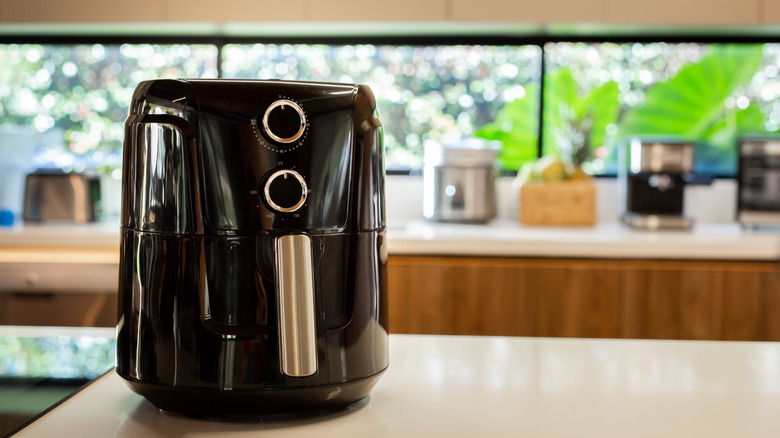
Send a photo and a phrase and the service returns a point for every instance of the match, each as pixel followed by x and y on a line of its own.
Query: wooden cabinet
pixel 584 298
pixel 750 303
pixel 690 300
pixel 295 13
pixel 669 302
pixel 551 11
pixel 503 297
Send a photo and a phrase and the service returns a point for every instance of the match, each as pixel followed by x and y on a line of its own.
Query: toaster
pixel 253 247
pixel 53 195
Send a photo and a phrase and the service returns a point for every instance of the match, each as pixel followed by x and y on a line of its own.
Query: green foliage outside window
pixel 439 93
pixel 595 95
pixel 83 92
pixel 55 357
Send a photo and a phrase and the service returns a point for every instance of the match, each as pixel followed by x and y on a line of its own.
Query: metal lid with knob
pixel 284 121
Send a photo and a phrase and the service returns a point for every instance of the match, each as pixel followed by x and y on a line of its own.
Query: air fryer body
pixel 253 254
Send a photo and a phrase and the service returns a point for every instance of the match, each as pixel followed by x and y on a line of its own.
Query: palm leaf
pixel 516 126
pixel 692 102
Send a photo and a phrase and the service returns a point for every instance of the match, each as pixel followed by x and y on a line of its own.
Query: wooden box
pixel 568 202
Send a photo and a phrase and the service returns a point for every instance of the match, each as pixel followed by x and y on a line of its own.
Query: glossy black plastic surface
pixel 645 198
pixel 198 306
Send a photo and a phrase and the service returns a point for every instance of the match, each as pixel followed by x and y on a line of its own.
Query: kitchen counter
pixel 604 240
pixel 61 235
pixel 99 243
pixel 496 387
pixel 85 258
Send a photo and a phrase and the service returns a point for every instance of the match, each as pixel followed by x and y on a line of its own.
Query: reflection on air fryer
pixel 253 273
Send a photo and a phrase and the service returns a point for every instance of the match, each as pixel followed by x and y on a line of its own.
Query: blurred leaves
pixel 58 357
pixel 692 104
pixel 707 100
pixel 576 120
pixel 84 91
pixel 516 127
pixel 573 121
pixel 704 102
pixel 595 94
pixel 441 93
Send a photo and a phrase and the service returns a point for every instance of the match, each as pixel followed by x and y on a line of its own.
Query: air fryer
pixel 253 251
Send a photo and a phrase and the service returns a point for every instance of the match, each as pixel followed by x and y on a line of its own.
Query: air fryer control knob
pixel 285 190
pixel 284 121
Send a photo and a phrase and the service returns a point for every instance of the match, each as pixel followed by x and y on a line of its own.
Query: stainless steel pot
pixel 460 181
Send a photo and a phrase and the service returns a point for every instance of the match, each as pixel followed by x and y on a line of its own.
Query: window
pixel 439 93
pixel 71 100
pixel 597 96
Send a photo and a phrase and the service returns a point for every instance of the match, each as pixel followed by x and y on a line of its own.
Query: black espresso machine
pixel 253 252
pixel 652 178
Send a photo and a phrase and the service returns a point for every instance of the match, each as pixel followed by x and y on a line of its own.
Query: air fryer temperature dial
pixel 284 121
pixel 285 190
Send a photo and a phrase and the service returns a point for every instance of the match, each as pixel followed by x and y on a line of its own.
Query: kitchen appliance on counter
pixel 758 179
pixel 253 254
pixel 54 195
pixel 459 181
pixel 652 178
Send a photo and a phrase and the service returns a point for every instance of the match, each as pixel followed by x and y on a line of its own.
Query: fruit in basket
pixel 576 172
pixel 549 168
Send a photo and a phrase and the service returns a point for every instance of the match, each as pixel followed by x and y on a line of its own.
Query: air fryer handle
pixel 295 297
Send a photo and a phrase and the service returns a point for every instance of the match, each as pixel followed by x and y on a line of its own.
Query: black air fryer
pixel 253 254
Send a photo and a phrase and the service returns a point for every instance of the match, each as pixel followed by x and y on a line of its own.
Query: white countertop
pixel 604 240
pixel 68 235
pixel 453 386
pixel 501 238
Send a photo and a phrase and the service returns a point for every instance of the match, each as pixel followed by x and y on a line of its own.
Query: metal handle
pixel 295 295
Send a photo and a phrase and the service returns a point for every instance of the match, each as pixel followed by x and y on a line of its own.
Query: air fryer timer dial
pixel 284 121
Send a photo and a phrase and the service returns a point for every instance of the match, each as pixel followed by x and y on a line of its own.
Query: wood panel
pixel 503 297
pixel 670 304
pixel 700 300
pixel 715 12
pixel 576 301
pixel 80 11
pixel 771 313
pixel 751 306
pixel 488 300
pixel 683 11
pixel 585 298
pixel 550 11
pixel 415 295
pixel 770 11
pixel 357 10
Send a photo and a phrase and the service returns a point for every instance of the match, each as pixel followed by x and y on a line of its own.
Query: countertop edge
pixel 100 243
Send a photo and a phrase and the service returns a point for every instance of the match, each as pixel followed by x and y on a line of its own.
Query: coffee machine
pixel 652 177
pixel 253 246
